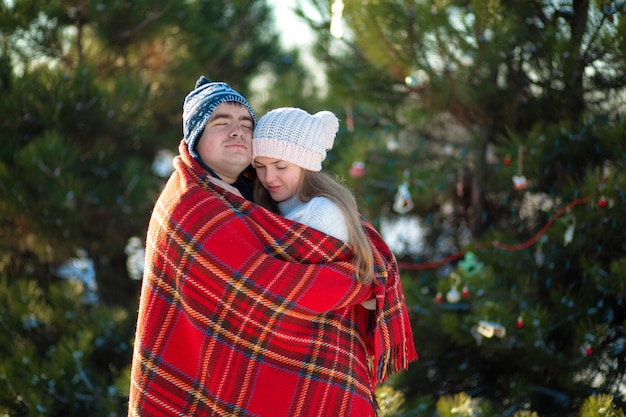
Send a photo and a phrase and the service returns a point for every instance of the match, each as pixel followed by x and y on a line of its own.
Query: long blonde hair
pixel 319 184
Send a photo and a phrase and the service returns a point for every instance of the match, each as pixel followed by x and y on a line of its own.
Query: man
pixel 243 312
pixel 217 128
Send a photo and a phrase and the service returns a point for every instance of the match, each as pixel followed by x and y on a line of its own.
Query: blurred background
pixel 485 139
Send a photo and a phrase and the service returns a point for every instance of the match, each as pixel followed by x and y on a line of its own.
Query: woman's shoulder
pixel 323 214
pixel 324 203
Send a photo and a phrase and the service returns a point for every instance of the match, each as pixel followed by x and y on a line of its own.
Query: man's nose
pixel 237 130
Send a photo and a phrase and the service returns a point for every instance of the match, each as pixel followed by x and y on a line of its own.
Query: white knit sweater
pixel 322 214
pixel 319 213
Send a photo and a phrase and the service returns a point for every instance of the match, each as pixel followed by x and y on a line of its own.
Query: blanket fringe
pixel 393 360
pixel 390 362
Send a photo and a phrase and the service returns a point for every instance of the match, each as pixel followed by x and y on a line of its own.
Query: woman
pixel 288 147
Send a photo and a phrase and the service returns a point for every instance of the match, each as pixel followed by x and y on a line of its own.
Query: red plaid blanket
pixel 245 313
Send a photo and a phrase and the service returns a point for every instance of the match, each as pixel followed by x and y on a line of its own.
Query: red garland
pixel 495 244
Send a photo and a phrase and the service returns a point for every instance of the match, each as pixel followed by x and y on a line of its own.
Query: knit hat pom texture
pixel 293 135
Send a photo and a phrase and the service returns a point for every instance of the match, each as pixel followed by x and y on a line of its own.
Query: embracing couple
pixel 265 292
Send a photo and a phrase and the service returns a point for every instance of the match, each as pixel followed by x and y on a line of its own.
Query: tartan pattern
pixel 245 313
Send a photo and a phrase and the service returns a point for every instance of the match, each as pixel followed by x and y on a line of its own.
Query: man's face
pixel 226 143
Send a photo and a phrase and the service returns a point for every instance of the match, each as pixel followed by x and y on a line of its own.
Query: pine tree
pixel 61 356
pixel 506 122
pixel 90 93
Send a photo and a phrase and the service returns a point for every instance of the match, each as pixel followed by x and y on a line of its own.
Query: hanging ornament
pixel 453 296
pixel 439 297
pixel 586 348
pixel 470 265
pixel 460 184
pixel 403 202
pixel 465 292
pixel 488 329
pixel 410 80
pixel 350 123
pixel 602 202
pixel 520 322
pixel 569 232
pixel 539 255
pixel 336 25
pixel 507 160
pixel 357 170
pixel 519 181
pixel 459 189
pixel 349 117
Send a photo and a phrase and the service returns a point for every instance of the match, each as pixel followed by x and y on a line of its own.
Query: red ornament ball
pixel 465 292
pixel 507 160
pixel 439 298
pixel 602 202
pixel 357 170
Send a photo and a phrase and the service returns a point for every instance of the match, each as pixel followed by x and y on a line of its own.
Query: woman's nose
pixel 269 175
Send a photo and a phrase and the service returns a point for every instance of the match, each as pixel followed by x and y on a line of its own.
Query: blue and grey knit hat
pixel 199 105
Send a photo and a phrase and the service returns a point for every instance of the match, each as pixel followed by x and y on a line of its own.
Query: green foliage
pixel 59 356
pixel 461 404
pixel 600 406
pixel 463 96
pixel 390 401
pixel 458 405
pixel 62 167
pixel 232 47
pixel 468 97
pixel 90 93
pixel 525 414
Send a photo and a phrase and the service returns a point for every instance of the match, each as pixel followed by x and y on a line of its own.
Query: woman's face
pixel 279 177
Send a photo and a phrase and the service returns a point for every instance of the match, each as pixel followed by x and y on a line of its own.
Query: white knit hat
pixel 295 136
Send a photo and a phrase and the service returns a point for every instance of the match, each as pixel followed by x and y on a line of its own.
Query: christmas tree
pixel 485 138
pixel 495 130
pixel 90 113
